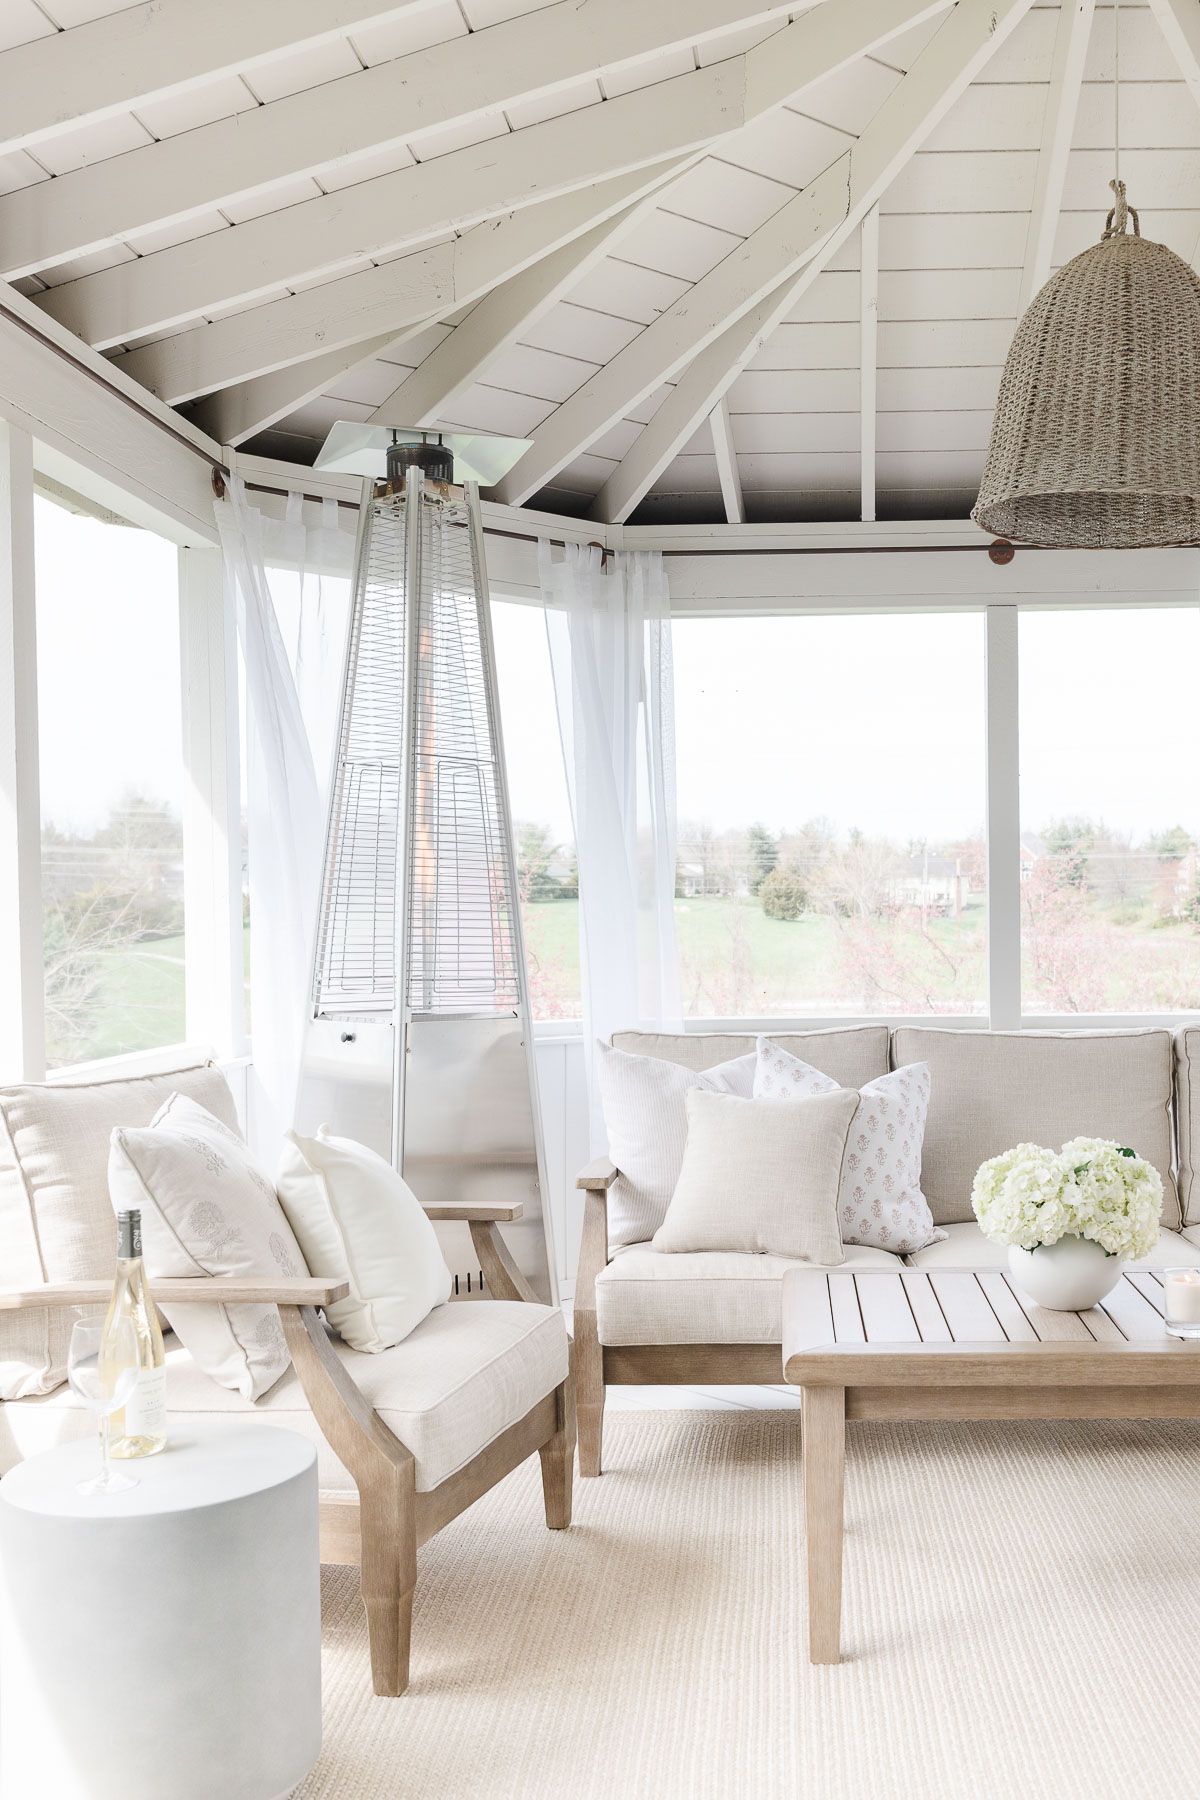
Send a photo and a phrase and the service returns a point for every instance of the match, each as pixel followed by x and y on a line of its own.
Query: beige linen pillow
pixel 761 1178
pixel 208 1209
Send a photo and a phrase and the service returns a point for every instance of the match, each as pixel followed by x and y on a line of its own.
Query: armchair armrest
pixel 308 1290
pixel 484 1212
pixel 598 1176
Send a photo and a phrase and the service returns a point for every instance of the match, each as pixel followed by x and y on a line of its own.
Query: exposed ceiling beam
pixel 375 217
pixel 394 296
pixel 868 361
pixel 159 49
pixel 842 197
pixel 327 127
pixel 236 413
pixel 497 322
pixel 1179 21
pixel 1058 129
pixel 727 465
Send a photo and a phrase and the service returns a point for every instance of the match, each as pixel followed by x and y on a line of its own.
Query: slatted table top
pixel 876 1327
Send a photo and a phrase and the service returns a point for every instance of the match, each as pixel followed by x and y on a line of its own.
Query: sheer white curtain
pixel 279 572
pixel 610 650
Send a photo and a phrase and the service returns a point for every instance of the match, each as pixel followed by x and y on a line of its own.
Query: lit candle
pixel 1181 1288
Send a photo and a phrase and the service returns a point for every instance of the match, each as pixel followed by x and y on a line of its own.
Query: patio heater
pixel 420 1040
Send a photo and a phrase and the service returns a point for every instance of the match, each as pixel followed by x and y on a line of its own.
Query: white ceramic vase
pixel 1066 1277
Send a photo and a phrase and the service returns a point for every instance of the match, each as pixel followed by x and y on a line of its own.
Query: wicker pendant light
pixel 1096 436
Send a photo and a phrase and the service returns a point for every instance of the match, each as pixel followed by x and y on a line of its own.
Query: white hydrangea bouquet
pixel 1095 1198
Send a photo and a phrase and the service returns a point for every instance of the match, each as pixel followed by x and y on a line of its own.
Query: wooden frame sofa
pixel 643 1316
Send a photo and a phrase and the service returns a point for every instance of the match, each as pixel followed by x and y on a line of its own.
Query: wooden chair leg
pixel 388 1518
pixel 589 1392
pixel 558 1460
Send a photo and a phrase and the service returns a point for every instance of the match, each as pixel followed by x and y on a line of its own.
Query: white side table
pixel 165 1641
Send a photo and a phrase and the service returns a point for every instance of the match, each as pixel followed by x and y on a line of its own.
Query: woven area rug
pixel 1022 1609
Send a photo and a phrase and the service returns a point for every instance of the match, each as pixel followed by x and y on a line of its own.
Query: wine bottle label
pixel 146 1408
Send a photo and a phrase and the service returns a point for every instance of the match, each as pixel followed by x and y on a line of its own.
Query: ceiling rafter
pixel 392 297
pixel 1058 129
pixel 842 196
pixel 725 453
pixel 159 49
pixel 329 126
pixel 868 359
pixel 193 279
pixel 376 217
pixel 1179 22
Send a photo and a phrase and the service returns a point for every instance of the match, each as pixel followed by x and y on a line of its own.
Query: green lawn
pixel 140 1001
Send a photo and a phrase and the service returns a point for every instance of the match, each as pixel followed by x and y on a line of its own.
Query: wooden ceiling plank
pixel 329 126
pixel 727 463
pixel 961 48
pixel 1058 130
pixel 1179 21
pixel 158 49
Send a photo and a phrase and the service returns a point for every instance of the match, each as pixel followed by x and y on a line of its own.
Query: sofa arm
pixel 489 1212
pixel 232 1290
pixel 598 1176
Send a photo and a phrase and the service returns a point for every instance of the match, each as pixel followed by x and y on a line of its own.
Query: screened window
pixel 831 807
pixel 110 738
pixel 1110 811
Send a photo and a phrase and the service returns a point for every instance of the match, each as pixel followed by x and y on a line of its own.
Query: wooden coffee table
pixel 954 1344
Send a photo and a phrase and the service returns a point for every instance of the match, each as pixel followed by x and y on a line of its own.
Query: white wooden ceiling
pixel 718 258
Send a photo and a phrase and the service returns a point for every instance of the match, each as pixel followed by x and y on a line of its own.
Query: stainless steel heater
pixel 420 1042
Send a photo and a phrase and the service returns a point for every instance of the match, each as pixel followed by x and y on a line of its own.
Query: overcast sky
pixel 873 722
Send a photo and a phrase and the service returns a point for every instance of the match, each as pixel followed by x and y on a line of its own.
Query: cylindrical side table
pixel 165 1643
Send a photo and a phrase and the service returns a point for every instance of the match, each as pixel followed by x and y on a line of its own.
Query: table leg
pixel 824 1428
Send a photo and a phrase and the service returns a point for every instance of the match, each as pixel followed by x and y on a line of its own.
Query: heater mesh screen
pixel 458 923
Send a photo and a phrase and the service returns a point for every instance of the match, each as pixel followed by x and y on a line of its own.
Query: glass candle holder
pixel 1181 1293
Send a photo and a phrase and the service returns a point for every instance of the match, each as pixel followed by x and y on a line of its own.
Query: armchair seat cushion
pixel 965 1247
pixel 648 1296
pixel 468 1372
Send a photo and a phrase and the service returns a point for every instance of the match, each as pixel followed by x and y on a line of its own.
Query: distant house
pixel 933 883
pixel 689 881
pixel 1032 851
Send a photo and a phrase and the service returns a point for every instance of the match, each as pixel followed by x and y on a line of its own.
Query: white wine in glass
pixel 102 1367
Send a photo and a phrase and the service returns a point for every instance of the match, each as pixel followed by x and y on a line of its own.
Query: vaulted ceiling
pixel 717 258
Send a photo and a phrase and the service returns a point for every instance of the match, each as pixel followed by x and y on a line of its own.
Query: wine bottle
pixel 139 1428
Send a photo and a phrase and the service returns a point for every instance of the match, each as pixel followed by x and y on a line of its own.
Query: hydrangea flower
pixel 1092 1188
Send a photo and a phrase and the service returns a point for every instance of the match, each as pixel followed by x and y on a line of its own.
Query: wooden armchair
pixel 381 1527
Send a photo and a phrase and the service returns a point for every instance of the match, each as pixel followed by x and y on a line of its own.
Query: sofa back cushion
pixel 993 1089
pixel 56 1221
pixel 1187 1120
pixel 644 1093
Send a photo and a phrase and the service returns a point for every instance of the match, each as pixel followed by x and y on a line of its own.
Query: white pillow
pixel 645 1116
pixel 761 1179
pixel 208 1209
pixel 357 1220
pixel 880 1202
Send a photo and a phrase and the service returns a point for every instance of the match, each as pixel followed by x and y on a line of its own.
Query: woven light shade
pixel 1096 436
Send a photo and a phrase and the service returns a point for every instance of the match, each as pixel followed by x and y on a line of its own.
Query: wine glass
pixel 102 1367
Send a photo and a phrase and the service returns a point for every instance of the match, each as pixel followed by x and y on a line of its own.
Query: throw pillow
pixel 880 1201
pixel 357 1220
pixel 762 1179
pixel 208 1209
pixel 645 1115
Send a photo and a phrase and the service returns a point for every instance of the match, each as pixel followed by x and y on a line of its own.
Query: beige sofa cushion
pixel 994 1089
pixel 965 1247
pixel 467 1373
pixel 1187 1119
pixel 56 1222
pixel 852 1054
pixel 648 1296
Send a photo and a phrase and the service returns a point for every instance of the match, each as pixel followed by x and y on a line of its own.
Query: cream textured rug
pixel 1022 1615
